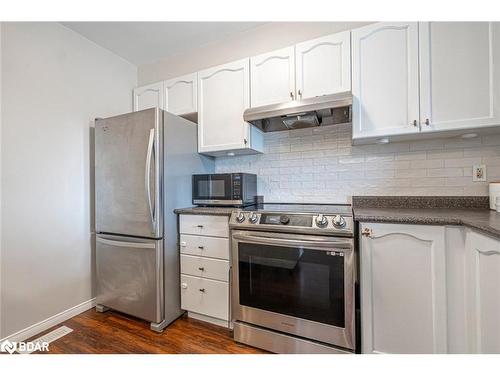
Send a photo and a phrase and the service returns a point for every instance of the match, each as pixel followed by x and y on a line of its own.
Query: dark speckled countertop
pixel 472 212
pixel 220 211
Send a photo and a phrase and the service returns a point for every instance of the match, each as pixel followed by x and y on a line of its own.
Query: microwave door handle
pixel 147 177
pixel 327 245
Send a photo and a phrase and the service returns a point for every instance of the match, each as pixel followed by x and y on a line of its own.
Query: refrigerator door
pixel 128 161
pixel 129 274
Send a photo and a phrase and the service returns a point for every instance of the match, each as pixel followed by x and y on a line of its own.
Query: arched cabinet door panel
pixel 181 94
pixel 459 75
pixel 149 96
pixel 403 288
pixel 385 80
pixel 223 96
pixel 323 65
pixel 273 77
pixel 482 293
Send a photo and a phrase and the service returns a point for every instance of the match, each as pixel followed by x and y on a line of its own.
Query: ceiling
pixel 146 42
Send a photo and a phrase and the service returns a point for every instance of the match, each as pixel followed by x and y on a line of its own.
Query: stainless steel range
pixel 294 278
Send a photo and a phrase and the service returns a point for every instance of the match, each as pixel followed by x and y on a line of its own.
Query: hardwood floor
pixel 114 333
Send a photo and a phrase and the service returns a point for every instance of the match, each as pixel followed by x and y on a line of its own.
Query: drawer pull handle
pixel 200 226
pixel 202 290
pixel 201 268
pixel 201 247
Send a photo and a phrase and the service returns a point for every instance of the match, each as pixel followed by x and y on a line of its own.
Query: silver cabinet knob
pixel 300 93
pixel 338 221
pixel 321 220
pixel 240 218
pixel 253 218
pixel 427 122
pixel 291 95
pixel 414 123
pixel 201 268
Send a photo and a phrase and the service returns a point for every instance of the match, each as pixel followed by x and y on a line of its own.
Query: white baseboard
pixel 36 328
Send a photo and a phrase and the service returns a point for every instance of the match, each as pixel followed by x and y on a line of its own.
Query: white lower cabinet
pixel 482 280
pixel 403 288
pixel 204 296
pixel 429 289
pixel 205 267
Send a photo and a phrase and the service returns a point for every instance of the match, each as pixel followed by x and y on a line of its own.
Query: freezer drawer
pixel 129 276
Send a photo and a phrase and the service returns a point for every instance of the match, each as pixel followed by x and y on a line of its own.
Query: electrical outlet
pixel 478 172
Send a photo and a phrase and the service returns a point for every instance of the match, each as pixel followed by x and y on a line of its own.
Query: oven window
pixel 303 283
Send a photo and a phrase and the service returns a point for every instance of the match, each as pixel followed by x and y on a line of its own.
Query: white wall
pixel 55 82
pixel 265 38
pixel 1 331
pixel 319 165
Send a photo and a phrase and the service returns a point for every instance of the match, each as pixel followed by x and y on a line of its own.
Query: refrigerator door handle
pixel 147 176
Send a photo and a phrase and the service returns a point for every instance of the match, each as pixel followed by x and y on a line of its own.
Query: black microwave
pixel 224 189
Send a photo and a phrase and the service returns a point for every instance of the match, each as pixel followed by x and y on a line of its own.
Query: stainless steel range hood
pixel 297 114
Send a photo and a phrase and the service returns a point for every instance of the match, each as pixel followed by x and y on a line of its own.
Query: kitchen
pixel 350 207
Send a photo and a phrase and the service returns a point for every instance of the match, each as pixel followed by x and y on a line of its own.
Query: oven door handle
pixel 340 245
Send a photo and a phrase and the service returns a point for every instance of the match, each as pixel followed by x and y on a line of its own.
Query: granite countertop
pixel 220 211
pixel 472 212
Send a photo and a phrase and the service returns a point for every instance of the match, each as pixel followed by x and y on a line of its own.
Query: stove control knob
pixel 284 220
pixel 240 218
pixel 321 221
pixel 253 218
pixel 338 221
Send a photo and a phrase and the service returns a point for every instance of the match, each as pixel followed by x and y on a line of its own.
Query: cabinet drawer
pixel 204 296
pixel 205 225
pixel 205 246
pixel 205 267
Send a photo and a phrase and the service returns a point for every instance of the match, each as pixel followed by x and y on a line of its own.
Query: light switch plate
pixel 478 172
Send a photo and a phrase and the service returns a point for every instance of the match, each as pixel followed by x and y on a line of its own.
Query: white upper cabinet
pixel 181 94
pixel 273 77
pixel 223 96
pixel 323 65
pixel 483 293
pixel 385 79
pixel 459 75
pixel 149 96
pixel 403 288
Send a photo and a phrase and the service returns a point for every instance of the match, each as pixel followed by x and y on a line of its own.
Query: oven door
pixel 298 284
pixel 215 189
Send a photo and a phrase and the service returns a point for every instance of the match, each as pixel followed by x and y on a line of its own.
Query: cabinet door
pixel 149 96
pixel 459 78
pixel 181 94
pixel 223 96
pixel 385 79
pixel 272 77
pixel 483 293
pixel 403 295
pixel 323 65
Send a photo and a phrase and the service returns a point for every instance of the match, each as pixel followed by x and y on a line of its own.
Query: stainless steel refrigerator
pixel 143 166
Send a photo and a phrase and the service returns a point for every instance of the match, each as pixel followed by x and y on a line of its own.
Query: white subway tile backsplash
pixel 320 165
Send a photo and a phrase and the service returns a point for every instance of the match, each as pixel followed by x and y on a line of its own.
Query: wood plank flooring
pixel 114 333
